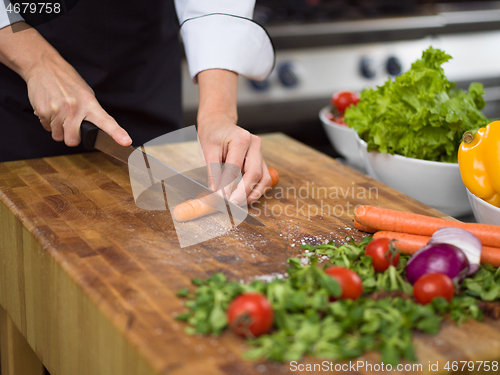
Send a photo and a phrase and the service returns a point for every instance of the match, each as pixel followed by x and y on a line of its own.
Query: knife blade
pixel 95 138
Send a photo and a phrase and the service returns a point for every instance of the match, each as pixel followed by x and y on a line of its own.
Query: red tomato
pixel 381 251
pixel 432 285
pixel 349 281
pixel 250 314
pixel 340 121
pixel 343 99
pixel 330 116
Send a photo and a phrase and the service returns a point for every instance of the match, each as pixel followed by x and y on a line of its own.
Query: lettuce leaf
pixel 420 114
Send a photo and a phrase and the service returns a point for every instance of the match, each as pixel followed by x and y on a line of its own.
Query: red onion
pixel 464 240
pixel 438 258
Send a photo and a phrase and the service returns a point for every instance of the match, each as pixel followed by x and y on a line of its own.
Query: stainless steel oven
pixel 325 46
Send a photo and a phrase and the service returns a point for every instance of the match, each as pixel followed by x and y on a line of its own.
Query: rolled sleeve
pixel 223 41
pixel 7 19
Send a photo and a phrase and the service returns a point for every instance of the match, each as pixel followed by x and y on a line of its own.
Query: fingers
pixel 53 113
pixel 56 127
pixel 46 126
pixel 61 99
pixel 53 126
pixel 102 120
pixel 71 129
pixel 237 151
pixel 262 186
pixel 242 194
pixel 212 159
pixel 240 152
pixel 256 178
pixel 64 122
pixel 214 175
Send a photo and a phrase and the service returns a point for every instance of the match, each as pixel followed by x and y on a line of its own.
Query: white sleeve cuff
pixel 7 19
pixel 223 41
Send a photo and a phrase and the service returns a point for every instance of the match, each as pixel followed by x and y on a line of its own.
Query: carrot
pixel 275 177
pixel 410 243
pixel 196 208
pixel 491 255
pixel 407 243
pixel 405 222
pixel 363 228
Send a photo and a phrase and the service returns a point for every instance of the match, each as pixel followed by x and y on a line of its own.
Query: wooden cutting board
pixel 90 279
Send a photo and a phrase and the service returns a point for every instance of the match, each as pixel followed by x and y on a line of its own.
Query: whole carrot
pixel 405 222
pixel 410 243
pixel 363 228
pixel 195 208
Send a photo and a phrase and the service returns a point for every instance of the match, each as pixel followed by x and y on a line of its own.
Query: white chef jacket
pixel 217 34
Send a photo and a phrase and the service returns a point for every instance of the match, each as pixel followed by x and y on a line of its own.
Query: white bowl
pixel 343 139
pixel 437 184
pixel 484 212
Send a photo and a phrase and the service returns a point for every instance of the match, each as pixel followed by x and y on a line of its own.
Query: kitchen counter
pixel 89 279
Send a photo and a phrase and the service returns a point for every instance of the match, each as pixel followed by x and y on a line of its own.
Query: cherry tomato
pixel 349 281
pixel 330 116
pixel 250 314
pixel 343 99
pixel 340 120
pixel 383 254
pixel 432 285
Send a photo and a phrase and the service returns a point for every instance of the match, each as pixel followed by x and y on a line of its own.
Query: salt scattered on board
pixel 270 277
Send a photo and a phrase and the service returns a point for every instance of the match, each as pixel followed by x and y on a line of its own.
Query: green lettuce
pixel 420 114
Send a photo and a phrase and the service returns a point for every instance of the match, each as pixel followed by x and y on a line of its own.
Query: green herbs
pixel 310 320
pixel 352 256
pixel 347 329
pixel 207 308
pixel 484 284
pixel 420 114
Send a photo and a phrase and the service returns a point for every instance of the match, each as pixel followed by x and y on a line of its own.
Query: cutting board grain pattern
pixel 90 279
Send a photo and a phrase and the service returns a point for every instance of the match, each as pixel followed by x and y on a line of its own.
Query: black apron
pixel 127 51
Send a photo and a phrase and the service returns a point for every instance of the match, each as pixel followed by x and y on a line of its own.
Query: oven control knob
pixel 367 67
pixel 259 85
pixel 288 74
pixel 393 66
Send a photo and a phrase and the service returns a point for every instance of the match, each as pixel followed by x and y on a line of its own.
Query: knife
pixel 95 138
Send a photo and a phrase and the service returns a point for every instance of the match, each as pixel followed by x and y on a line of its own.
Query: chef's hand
pixel 222 141
pixel 62 100
pixel 60 97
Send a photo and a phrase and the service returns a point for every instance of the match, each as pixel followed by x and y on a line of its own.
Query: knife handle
pixel 88 132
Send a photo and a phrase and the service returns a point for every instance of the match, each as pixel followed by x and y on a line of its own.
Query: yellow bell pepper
pixel 479 162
